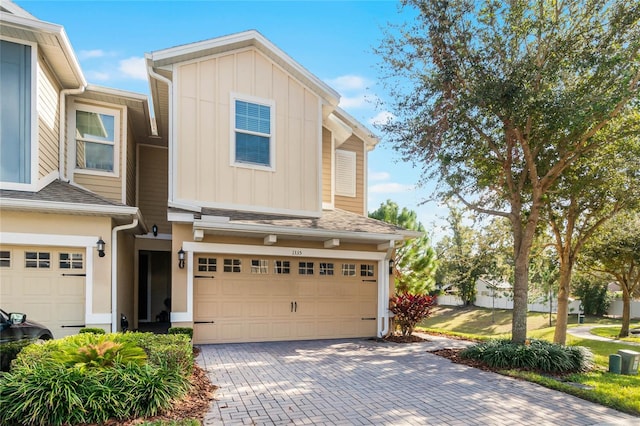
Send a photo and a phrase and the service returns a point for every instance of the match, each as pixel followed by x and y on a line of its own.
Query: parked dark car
pixel 14 327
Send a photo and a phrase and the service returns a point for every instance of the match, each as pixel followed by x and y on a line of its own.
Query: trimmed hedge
pixel 181 330
pixel 40 389
pixel 93 330
pixel 536 355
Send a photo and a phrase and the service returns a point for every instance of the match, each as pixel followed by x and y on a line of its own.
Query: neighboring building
pixel 249 170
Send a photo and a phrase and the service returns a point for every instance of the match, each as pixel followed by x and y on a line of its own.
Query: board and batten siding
pixel 48 120
pixel 205 173
pixel 354 204
pixel 152 186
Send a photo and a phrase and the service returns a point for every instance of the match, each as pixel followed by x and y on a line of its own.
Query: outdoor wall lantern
pixel 154 229
pixel 391 266
pixel 100 243
pixel 181 258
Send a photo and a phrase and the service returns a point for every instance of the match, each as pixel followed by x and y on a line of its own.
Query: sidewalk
pixel 584 332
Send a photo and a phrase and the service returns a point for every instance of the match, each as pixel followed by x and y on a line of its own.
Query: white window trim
pixel 117 131
pixel 232 132
pixel 350 163
pixel 33 184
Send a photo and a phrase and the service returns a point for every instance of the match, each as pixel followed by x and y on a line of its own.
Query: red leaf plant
pixel 410 309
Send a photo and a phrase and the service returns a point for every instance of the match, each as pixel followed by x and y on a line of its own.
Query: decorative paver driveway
pixel 361 382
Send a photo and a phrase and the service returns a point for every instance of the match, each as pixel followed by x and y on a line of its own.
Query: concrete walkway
pixel 365 382
pixel 584 332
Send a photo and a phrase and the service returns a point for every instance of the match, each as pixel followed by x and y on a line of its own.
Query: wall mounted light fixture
pixel 154 229
pixel 181 258
pixel 100 243
pixel 391 266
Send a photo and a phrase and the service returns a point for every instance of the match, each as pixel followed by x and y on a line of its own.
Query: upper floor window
pixel 253 139
pixel 96 137
pixel 16 76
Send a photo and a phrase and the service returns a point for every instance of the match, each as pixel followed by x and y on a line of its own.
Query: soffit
pixel 52 43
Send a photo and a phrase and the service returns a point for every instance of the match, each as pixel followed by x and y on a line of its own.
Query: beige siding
pixel 130 171
pixel 48 120
pixel 327 160
pixel 204 170
pixel 108 186
pixel 126 275
pixel 354 204
pixel 152 191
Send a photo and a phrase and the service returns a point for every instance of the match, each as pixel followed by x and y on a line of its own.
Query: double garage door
pixel 253 299
pixel 46 283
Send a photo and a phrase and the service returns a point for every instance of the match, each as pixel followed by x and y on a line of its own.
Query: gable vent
pixel 345 173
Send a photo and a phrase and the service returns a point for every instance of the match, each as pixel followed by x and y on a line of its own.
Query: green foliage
pixel 9 351
pixel 409 310
pixel 497 100
pixel 93 330
pixel 593 294
pixel 415 260
pixel 188 331
pixel 98 351
pixel 44 387
pixel 536 355
pixel 171 350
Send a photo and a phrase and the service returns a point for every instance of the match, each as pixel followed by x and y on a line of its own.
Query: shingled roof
pixel 61 192
pixel 331 220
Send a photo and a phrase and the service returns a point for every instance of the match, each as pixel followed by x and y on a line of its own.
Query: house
pixel 238 207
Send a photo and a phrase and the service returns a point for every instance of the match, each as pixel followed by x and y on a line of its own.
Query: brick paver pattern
pixel 364 382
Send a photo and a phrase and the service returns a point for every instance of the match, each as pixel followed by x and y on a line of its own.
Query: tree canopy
pixel 495 100
pixel 415 260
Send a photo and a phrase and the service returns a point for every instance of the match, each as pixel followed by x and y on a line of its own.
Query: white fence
pixel 500 301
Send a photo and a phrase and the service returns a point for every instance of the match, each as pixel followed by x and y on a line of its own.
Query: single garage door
pixel 46 283
pixel 253 299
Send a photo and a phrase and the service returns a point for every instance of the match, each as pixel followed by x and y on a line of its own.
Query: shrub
pixel 9 351
pixel 93 330
pixel 410 309
pixel 98 351
pixel 181 330
pixel 44 389
pixel 537 355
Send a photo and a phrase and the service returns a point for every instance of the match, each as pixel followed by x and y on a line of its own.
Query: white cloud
pixel 390 188
pixel 88 54
pixel 134 67
pixel 348 83
pixel 98 75
pixel 379 176
pixel 358 101
pixel 382 117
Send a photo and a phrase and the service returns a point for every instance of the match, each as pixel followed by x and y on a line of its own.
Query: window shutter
pixel 345 173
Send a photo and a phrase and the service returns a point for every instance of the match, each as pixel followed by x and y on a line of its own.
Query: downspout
pixel 169 84
pixel 114 271
pixel 62 150
pixel 384 302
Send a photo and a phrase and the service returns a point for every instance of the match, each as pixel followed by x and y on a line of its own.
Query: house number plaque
pixel 296 252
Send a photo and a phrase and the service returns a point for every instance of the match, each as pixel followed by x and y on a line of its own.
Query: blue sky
pixel 332 39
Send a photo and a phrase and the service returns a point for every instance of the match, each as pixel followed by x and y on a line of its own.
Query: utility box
pixel 630 361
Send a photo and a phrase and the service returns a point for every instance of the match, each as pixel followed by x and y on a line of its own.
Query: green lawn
pixel 617 391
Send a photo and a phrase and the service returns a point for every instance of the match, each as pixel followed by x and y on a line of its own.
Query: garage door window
pixel 366 270
pixel 259 266
pixel 349 269
pixel 232 265
pixel 305 268
pixel 326 268
pixel 5 259
pixel 39 260
pixel 207 264
pixel 71 261
pixel 282 267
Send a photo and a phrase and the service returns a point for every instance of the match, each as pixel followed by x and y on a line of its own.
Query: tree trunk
pixel 520 298
pixel 626 311
pixel 564 289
